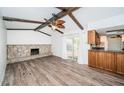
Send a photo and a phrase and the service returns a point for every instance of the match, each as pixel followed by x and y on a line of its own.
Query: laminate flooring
pixel 55 71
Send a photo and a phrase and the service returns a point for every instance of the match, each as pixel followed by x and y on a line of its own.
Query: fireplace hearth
pixel 34 51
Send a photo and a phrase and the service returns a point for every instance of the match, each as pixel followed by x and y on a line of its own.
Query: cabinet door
pixel 120 63
pixel 92 59
pixel 105 60
pixel 109 61
pixel 91 37
pixel 99 59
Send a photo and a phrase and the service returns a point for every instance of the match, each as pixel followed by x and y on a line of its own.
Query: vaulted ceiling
pixel 84 15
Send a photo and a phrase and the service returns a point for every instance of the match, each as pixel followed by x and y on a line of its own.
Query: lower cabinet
pixel 120 63
pixel 92 59
pixel 110 61
pixel 99 59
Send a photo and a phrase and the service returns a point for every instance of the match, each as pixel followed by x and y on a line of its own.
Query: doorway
pixel 72 47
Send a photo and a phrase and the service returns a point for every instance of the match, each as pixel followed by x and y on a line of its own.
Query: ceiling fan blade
pixel 60 26
pixel 59 22
pixel 59 31
pixel 76 21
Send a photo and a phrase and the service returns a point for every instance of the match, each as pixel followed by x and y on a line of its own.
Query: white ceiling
pixel 33 13
pixel 102 31
pixel 85 15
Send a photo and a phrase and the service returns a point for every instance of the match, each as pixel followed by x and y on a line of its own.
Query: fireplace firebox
pixel 34 51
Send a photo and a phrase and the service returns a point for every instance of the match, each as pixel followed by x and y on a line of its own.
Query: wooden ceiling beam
pixel 27 29
pixel 76 21
pixel 18 29
pixel 44 33
pixel 21 20
pixel 59 31
pixel 63 8
pixel 58 16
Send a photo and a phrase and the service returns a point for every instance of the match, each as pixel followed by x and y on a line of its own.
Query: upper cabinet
pixel 93 37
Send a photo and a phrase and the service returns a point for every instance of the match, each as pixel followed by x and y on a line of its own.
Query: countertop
pixel 118 51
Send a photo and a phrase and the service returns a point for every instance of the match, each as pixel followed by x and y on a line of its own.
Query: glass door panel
pixel 72 48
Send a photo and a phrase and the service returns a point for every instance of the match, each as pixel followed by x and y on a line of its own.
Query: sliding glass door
pixel 72 46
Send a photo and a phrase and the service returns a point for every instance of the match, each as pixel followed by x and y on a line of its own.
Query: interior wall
pixel 57 45
pixel 84 46
pixel 27 37
pixel 2 50
pixel 104 40
pixel 123 38
pixel 114 43
pixel 108 22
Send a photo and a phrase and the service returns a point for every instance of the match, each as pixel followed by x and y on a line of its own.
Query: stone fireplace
pixel 34 51
pixel 18 53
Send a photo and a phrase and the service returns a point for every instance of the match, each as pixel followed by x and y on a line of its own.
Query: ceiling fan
pixel 56 24
pixel 53 22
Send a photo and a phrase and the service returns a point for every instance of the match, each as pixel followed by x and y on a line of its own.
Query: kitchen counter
pixel 116 51
pixel 107 60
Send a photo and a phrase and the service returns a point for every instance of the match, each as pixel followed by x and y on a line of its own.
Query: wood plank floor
pixel 56 71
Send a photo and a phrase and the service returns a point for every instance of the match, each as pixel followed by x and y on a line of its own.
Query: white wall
pixel 27 37
pixel 104 39
pixel 83 48
pixel 57 44
pixel 122 38
pixel 114 43
pixel 108 22
pixel 111 43
pixel 2 50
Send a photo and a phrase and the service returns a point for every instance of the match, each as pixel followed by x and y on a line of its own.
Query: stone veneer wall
pixel 18 53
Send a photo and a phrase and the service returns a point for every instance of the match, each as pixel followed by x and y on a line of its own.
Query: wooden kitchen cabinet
pixel 107 60
pixel 92 59
pixel 97 39
pixel 93 37
pixel 120 63
pixel 99 59
pixel 102 60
